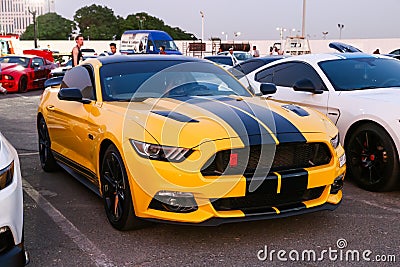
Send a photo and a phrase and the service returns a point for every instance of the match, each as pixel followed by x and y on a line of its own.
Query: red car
pixel 22 73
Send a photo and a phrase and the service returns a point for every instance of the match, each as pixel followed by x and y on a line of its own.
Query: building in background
pixel 15 15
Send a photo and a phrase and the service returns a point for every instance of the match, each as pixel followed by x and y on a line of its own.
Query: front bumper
pixel 254 217
pixel 164 177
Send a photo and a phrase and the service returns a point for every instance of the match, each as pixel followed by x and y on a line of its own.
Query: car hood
pixel 188 122
pixel 9 67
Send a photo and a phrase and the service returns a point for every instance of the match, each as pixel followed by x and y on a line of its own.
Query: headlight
pixel 158 152
pixel 335 141
pixel 8 77
pixel 6 176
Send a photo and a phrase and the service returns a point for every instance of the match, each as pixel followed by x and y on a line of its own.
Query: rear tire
pixel 372 158
pixel 116 192
pixel 47 160
pixel 23 84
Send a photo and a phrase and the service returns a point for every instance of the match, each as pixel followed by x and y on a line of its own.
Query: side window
pixel 288 74
pixel 265 75
pixel 37 62
pixel 150 45
pixel 79 77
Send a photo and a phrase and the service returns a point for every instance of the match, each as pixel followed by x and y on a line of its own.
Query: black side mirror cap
pixel 305 85
pixel 268 88
pixel 72 94
pixel 53 81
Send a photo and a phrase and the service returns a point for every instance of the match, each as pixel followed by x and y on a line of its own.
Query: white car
pixel 12 252
pixel 360 93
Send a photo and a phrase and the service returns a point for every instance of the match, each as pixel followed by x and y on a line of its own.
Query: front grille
pixel 259 201
pixel 268 158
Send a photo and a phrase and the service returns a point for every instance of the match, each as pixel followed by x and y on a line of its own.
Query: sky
pixel 259 19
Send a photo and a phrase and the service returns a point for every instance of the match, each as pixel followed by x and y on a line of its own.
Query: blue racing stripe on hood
pixel 285 131
pixel 247 128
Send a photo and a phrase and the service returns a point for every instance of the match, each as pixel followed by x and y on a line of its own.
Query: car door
pixel 68 122
pixel 286 75
pixel 39 72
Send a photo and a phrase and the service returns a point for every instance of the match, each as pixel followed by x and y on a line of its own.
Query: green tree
pixel 50 26
pixel 97 22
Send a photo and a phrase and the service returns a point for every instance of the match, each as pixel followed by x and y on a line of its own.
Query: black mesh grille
pixel 259 201
pixel 288 156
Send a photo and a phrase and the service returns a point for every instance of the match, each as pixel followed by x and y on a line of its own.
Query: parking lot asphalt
pixel 65 223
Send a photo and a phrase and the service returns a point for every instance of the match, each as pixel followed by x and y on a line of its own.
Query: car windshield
pixel 169 45
pixel 126 81
pixel 23 61
pixel 362 73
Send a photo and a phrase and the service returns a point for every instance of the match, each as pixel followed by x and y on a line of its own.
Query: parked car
pixel 239 55
pixel 23 73
pixel 12 251
pixel 175 138
pixel 60 71
pixel 360 94
pixel 86 52
pixel 224 61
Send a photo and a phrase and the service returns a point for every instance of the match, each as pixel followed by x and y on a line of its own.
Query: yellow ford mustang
pixel 179 139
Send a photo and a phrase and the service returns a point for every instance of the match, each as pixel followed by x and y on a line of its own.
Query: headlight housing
pixel 158 152
pixel 335 141
pixel 6 176
pixel 8 77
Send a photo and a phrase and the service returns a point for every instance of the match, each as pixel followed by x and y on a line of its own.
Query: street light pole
pixel 202 26
pixel 34 26
pixel 341 26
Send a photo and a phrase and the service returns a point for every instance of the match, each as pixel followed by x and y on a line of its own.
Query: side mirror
pixel 35 65
pixel 305 85
pixel 267 88
pixel 52 82
pixel 72 94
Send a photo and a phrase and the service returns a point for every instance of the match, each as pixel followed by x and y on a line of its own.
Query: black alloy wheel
pixel 372 158
pixel 47 160
pixel 23 84
pixel 116 192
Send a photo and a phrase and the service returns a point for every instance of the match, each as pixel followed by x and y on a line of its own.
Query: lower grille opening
pixel 259 202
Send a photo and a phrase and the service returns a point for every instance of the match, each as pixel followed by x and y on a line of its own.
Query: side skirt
pixel 82 174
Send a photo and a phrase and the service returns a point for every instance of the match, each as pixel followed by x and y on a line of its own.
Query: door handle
pixel 50 108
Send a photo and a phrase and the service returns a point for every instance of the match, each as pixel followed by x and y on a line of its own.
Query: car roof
pixel 315 58
pixel 27 56
pixel 146 57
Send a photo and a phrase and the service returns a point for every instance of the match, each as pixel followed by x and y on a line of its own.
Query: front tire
pixel 373 161
pixel 47 160
pixel 23 84
pixel 116 192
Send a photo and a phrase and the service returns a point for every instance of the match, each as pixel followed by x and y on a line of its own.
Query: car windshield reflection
pixel 166 79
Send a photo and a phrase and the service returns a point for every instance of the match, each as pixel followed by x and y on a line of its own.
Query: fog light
pixel 337 184
pixel 180 202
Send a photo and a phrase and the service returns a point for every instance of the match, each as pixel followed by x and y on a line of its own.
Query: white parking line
pixel 98 257
pixel 28 154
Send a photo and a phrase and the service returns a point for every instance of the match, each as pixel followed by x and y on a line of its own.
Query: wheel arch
pixel 357 124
